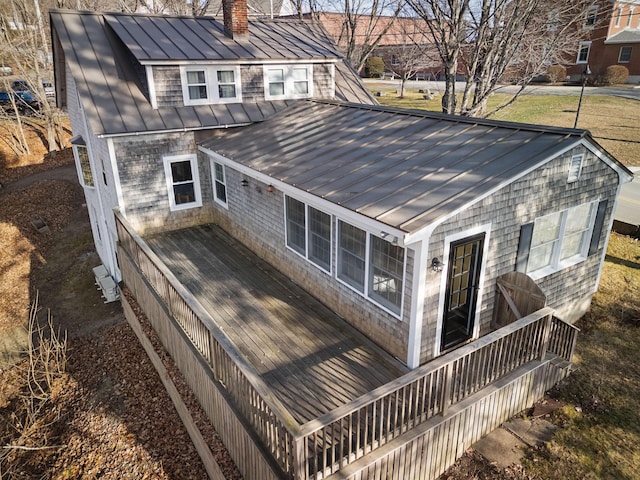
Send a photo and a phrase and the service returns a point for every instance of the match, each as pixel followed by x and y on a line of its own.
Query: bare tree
pixel 412 51
pixel 484 39
pixel 363 25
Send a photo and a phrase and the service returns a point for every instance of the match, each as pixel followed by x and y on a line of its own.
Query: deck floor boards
pixel 311 358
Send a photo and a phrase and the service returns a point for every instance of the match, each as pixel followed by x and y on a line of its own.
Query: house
pixel 346 288
pixel 614 39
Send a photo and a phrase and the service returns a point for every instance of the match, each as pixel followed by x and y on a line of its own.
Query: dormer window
pixel 288 81
pixel 202 85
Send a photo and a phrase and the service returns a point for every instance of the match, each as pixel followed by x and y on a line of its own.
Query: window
pixel 394 60
pixel 385 280
pixel 560 239
pixel 381 278
pixel 352 248
pixel 619 16
pixel 208 85
pixel 288 81
pixel 183 183
pixel 625 55
pixel 575 168
pixel 583 52
pixel 82 156
pixel 629 17
pixel 219 184
pixel 309 232
pixel 591 17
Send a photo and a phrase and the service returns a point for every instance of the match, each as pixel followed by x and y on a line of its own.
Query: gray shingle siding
pixel 256 218
pixel 144 184
pixel 507 213
pixel 168 86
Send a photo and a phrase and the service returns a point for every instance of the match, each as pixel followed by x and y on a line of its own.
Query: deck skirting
pixel 251 459
pixel 425 452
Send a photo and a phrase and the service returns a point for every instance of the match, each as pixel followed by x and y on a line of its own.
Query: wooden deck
pixel 311 358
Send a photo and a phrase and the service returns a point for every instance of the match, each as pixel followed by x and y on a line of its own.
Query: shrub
pixel 557 73
pixel 616 74
pixel 374 67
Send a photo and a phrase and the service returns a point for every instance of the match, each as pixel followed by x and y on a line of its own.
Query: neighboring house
pixel 426 232
pixel 258 8
pixel 614 39
pixel 400 41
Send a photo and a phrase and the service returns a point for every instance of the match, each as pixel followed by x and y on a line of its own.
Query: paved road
pixel 628 210
pixel 627 91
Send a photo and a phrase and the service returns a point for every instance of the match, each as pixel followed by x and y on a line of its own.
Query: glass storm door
pixel 463 275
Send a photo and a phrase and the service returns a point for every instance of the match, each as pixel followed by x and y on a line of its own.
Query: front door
pixel 463 276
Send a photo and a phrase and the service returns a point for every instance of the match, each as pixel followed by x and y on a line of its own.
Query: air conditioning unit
pixel 105 284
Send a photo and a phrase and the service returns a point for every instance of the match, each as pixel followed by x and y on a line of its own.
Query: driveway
pixel 627 215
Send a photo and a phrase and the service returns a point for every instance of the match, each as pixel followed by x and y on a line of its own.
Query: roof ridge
pixel 462 119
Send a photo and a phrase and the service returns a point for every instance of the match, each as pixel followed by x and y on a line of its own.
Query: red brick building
pixel 614 39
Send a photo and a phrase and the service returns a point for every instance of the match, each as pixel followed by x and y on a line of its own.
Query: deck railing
pixel 269 418
pixel 326 444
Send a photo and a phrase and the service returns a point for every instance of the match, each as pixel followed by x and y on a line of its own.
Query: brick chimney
pixel 236 24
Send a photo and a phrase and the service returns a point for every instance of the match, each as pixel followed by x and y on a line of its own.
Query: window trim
pixel 368 279
pixel 556 263
pixel 628 60
pixel 289 89
pixel 211 84
pixel 307 233
pixel 168 160
pixel 80 164
pixel 581 46
pixel 214 181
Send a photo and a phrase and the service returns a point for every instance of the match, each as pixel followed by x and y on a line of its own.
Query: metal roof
pixel 403 168
pixel 112 96
pixel 154 38
pixel 625 36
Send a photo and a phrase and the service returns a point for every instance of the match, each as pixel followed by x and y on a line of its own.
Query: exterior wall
pixel 569 290
pixel 168 86
pixel 102 198
pixel 256 218
pixel 144 184
pixel 601 54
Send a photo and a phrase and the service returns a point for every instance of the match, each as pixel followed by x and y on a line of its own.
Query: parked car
pixel 5 70
pixel 24 101
pixel 20 86
pixel 49 90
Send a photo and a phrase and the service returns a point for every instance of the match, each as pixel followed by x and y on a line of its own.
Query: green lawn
pixel 600 438
pixel 614 122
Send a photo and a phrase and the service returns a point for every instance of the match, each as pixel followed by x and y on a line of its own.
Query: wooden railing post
pixel 446 388
pixel 546 334
pixel 300 470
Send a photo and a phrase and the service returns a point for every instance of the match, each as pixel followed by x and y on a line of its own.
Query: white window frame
pixel 289 81
pixel 367 292
pixel 306 254
pixel 629 17
pixel 215 181
pixel 575 168
pixel 620 60
pixel 619 16
pixel 211 83
pixel 556 264
pixel 195 179
pixel 81 170
pixel 582 46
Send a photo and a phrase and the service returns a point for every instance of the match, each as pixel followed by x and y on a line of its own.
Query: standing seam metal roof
pixel 403 168
pixel 109 87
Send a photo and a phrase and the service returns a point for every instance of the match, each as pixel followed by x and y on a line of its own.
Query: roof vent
pixel 236 23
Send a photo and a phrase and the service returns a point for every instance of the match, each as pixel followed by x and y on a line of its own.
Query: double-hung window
pixel 288 81
pixel 82 155
pixel 371 265
pixel 219 184
pixel 183 182
pixel 309 232
pixel 625 54
pixel 583 52
pixel 560 239
pixel 211 84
